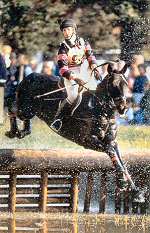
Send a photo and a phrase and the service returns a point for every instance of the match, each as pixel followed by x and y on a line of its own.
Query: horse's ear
pixel 124 69
pixel 109 69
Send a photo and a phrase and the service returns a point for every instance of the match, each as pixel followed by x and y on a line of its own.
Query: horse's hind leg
pixel 26 129
pixel 13 128
pixel 13 132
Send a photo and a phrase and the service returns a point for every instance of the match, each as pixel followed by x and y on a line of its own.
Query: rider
pixel 72 53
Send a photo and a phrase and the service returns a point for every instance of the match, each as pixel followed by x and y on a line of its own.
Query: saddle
pixel 83 107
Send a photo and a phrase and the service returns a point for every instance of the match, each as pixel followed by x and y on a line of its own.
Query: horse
pixel 91 125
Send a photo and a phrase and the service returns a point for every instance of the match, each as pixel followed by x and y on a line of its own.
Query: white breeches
pixel 72 87
pixel 72 90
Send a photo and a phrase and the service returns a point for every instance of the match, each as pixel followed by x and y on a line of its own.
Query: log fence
pixel 48 180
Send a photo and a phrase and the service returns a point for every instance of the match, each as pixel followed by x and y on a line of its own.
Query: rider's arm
pixel 90 56
pixel 62 60
pixel 91 60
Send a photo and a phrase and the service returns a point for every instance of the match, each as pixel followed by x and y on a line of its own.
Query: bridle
pixel 114 100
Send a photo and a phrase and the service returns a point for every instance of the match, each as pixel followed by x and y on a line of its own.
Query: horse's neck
pixel 102 92
pixel 106 106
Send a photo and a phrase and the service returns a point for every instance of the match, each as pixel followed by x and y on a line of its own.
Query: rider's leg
pixel 64 110
pixel 66 106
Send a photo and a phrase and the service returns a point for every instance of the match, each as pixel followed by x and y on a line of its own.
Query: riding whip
pixel 48 93
pixel 51 92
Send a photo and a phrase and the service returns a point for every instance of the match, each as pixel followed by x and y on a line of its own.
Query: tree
pixel 32 25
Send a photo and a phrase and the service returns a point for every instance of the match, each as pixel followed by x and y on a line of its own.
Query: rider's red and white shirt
pixel 71 57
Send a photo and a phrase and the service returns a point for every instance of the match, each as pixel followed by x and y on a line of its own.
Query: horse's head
pixel 117 88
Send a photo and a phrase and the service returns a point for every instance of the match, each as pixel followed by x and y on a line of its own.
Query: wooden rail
pixel 47 180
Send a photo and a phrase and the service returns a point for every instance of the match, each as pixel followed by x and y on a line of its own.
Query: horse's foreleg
pixel 133 186
pixel 121 178
pixel 137 195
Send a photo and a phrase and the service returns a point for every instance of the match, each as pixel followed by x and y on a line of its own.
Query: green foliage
pixel 32 25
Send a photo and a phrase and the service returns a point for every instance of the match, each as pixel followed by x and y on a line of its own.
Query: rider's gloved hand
pixel 79 81
pixel 97 74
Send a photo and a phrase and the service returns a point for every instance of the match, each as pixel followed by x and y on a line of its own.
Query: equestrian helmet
pixel 67 23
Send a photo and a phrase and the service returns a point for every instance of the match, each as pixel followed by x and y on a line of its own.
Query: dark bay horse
pixel 93 122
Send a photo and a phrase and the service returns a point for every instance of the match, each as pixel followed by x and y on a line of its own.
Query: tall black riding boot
pixel 64 110
pixel 13 128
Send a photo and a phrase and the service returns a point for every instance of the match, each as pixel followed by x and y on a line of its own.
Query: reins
pixel 87 89
pixel 61 89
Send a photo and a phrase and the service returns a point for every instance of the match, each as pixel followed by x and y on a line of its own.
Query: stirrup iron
pixel 56 125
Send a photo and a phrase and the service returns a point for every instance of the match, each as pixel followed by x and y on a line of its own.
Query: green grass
pixel 135 138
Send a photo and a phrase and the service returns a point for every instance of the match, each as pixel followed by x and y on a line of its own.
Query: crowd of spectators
pixel 13 68
pixel 139 96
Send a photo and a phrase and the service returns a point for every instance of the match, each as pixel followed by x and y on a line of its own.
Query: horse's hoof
pixel 11 134
pixel 138 196
pixel 22 133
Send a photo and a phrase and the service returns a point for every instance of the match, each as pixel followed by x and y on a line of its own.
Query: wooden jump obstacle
pixel 47 180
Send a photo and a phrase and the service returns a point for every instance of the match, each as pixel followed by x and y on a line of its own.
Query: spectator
pixel 48 68
pixel 55 67
pixel 131 79
pixel 145 107
pixel 148 72
pixel 3 70
pixel 21 66
pixel 31 67
pixel 3 73
pixel 10 95
pixel 128 117
pixel 6 51
pixel 140 84
pixel 13 79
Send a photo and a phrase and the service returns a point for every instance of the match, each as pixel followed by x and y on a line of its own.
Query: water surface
pixel 73 223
